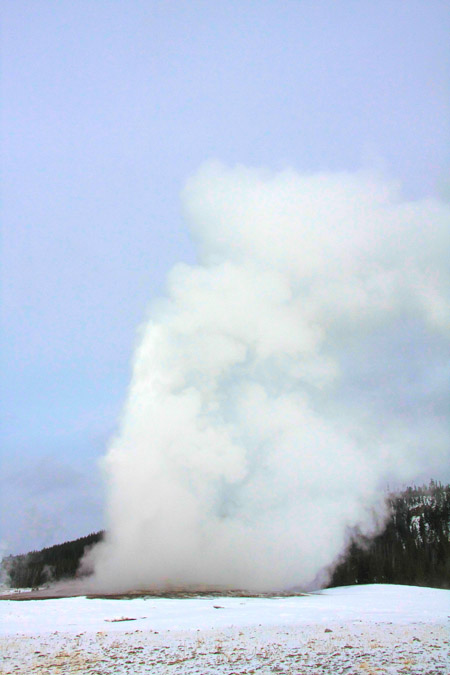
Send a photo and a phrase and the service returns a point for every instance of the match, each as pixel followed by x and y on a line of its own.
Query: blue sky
pixel 108 107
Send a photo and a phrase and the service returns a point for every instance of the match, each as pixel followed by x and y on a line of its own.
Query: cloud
pixel 280 381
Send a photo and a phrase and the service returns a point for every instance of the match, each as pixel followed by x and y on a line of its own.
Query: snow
pixel 371 603
pixel 385 626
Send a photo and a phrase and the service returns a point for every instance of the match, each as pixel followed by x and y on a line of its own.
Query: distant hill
pixel 51 564
pixel 414 548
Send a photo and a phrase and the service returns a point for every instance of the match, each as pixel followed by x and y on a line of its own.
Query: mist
pixel 283 380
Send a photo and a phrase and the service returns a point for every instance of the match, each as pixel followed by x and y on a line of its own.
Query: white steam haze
pixel 298 366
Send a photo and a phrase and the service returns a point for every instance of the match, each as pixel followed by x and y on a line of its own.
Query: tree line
pixel 413 548
pixel 50 564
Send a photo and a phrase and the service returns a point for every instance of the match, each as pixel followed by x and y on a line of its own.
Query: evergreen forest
pixel 55 563
pixel 413 548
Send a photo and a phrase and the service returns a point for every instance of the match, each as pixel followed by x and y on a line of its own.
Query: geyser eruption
pixel 281 382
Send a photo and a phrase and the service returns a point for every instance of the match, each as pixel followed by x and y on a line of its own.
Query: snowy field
pixel 359 629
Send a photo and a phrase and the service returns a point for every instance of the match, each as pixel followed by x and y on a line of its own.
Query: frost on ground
pixel 368 629
pixel 307 649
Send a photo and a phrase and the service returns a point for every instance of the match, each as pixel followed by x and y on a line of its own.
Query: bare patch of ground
pixel 384 649
pixel 57 592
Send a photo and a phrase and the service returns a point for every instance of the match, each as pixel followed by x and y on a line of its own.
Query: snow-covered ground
pixel 357 629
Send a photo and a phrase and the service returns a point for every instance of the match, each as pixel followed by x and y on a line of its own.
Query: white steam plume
pixel 283 379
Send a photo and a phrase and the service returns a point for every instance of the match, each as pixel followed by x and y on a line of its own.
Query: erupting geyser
pixel 281 381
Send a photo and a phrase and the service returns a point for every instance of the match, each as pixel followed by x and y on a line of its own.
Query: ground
pixel 366 629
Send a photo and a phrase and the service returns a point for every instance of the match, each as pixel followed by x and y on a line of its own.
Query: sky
pixel 108 109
